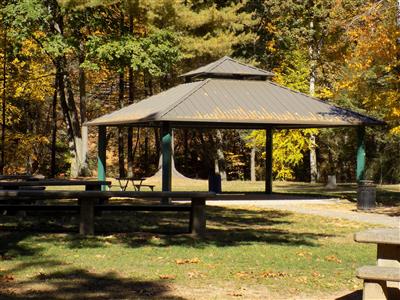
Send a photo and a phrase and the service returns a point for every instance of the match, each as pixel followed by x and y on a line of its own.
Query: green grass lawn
pixel 249 253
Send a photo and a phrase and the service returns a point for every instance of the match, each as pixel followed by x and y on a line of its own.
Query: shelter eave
pixel 231 124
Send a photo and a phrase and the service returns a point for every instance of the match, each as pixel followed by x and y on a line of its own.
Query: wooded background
pixel 66 62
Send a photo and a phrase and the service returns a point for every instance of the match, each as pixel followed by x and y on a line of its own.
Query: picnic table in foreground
pixel 89 184
pixel 88 202
pixel 382 280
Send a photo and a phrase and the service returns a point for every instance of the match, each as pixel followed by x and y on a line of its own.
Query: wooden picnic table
pixel 89 184
pixel 21 177
pixel 87 204
pixel 386 273
pixel 387 241
pixel 136 186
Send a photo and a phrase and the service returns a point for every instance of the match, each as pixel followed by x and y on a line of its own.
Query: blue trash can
pixel 214 183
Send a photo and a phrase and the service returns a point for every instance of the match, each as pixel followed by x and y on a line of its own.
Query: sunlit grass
pixel 247 247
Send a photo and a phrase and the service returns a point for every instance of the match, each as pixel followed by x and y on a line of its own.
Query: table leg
pixel 86 221
pixel 389 256
pixel 198 217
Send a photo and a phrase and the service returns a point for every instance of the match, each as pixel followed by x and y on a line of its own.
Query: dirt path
pixel 300 206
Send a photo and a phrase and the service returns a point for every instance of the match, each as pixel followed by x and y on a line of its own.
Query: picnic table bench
pixel 136 186
pixel 87 204
pixel 382 280
pixel 21 177
pixel 89 184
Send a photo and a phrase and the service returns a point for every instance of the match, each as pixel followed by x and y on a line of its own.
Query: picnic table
pixel 386 273
pixel 87 204
pixel 137 183
pixel 21 177
pixel 90 185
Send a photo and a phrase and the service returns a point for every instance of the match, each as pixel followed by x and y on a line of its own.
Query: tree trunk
pixel 121 154
pixel 67 103
pixel 84 168
pixel 53 167
pixel 131 96
pixel 313 152
pixel 253 163
pixel 174 171
pixel 220 156
pixel 157 143
pixel 3 108
pixel 146 152
pixel 76 144
pixel 185 149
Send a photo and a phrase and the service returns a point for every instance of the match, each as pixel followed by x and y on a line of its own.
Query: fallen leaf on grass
pixel 195 274
pixel 270 274
pixel 167 276
pixel 243 274
pixel 238 293
pixel 304 253
pixel 317 274
pixel 301 279
pixel 333 258
pixel 235 294
pixel 187 261
pixel 6 278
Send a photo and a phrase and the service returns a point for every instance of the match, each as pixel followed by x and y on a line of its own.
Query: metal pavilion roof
pixel 229 103
pixel 227 67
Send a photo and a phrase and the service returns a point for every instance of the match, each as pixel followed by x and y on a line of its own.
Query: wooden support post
pixel 101 156
pixel 360 172
pixel 198 217
pixel 374 290
pixel 166 148
pixel 388 256
pixel 86 222
pixel 268 160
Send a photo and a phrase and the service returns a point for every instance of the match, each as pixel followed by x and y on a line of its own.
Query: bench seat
pixel 139 186
pixel 379 273
pixel 376 280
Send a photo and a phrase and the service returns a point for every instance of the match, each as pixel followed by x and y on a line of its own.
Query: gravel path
pixel 298 206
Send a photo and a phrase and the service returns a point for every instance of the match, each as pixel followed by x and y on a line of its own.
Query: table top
pixel 379 236
pixel 21 177
pixel 54 182
pixel 99 194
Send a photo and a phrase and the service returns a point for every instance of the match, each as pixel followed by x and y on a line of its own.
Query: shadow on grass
pixel 225 227
pixel 10 245
pixel 80 284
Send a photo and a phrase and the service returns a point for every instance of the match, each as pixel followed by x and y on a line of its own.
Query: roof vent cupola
pixel 227 68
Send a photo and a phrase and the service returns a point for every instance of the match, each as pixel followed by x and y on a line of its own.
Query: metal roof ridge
pixel 322 101
pixel 221 60
pixel 183 98
pixel 252 67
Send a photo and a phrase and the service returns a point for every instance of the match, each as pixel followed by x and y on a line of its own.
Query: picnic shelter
pixel 227 94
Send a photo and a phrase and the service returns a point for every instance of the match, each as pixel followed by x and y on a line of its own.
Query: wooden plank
pixel 66 194
pixel 379 273
pixel 143 207
pixel 379 236
pixel 198 217
pixel 86 220
pixel 12 207
pixel 54 183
